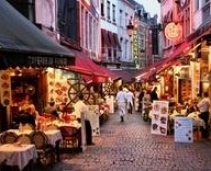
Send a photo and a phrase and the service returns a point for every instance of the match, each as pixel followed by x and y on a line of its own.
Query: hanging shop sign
pixel 173 31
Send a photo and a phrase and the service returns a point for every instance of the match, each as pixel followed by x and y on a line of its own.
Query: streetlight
pixel 130 29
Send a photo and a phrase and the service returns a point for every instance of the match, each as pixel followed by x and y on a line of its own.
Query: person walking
pixel 130 100
pixel 121 102
pixel 140 100
pixel 204 108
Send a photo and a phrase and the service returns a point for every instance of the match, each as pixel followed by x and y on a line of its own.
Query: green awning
pixel 22 39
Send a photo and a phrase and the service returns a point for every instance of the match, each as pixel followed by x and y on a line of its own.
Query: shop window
pixel 102 8
pixel 68 20
pixel 25 7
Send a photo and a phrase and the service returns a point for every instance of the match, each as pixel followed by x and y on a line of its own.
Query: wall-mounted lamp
pixel 130 29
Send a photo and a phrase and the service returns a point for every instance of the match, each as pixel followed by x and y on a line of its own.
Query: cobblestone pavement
pixel 129 146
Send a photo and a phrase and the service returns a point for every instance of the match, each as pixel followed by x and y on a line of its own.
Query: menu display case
pixel 21 86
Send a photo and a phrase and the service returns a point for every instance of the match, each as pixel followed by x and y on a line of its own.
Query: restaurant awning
pixel 171 59
pixel 19 36
pixel 86 66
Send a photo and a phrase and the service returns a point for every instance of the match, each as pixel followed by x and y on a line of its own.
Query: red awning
pixel 174 56
pixel 85 66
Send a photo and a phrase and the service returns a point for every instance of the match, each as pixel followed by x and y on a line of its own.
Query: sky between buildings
pixel 151 6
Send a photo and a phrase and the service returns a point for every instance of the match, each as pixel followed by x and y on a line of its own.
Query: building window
pixel 114 13
pixel 126 20
pixel 25 7
pixel 67 20
pixel 120 18
pixel 108 11
pixel 102 8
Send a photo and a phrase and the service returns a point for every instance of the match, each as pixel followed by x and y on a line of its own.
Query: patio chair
pixel 46 152
pixel 24 139
pixel 9 138
pixel 70 137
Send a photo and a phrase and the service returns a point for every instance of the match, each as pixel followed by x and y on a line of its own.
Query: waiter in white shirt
pixel 80 108
pixel 204 108
pixel 121 101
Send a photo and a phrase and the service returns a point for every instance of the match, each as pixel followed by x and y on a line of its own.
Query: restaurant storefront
pixel 25 53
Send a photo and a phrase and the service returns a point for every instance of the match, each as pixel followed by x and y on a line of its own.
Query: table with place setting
pixel 18 154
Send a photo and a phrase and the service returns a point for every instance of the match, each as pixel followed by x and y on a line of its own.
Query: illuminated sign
pixel 173 31
pixel 135 48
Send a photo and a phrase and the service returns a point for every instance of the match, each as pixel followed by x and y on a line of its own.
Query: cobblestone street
pixel 129 146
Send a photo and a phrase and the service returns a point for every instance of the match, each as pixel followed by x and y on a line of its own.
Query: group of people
pixel 29 115
pixel 125 101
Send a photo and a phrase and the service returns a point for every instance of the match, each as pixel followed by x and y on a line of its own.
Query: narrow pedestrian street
pixel 129 146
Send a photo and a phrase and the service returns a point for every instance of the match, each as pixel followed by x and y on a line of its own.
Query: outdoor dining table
pixel 59 123
pixel 52 135
pixel 18 154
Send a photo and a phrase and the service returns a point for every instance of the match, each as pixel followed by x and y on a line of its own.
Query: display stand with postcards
pixel 183 127
pixel 159 124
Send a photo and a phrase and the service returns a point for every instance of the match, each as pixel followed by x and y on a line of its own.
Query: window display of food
pixel 5 88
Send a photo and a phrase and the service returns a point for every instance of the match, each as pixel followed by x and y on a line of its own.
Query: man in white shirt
pixel 121 102
pixel 81 108
pixel 204 108
pixel 130 101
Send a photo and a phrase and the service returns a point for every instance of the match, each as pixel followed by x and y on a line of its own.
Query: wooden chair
pixel 9 138
pixel 70 136
pixel 24 139
pixel 46 153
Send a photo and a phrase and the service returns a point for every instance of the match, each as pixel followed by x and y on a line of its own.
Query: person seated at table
pixel 51 109
pixel 192 107
pixel 79 108
pixel 27 117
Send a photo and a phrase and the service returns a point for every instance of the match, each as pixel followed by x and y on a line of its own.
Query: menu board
pixel 159 117
pixel 57 88
pixel 5 90
pixel 183 127
pixel 93 117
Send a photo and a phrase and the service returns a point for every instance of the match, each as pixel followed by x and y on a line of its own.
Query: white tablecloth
pixel 196 120
pixel 53 136
pixel 17 155
pixel 17 132
pixel 59 123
